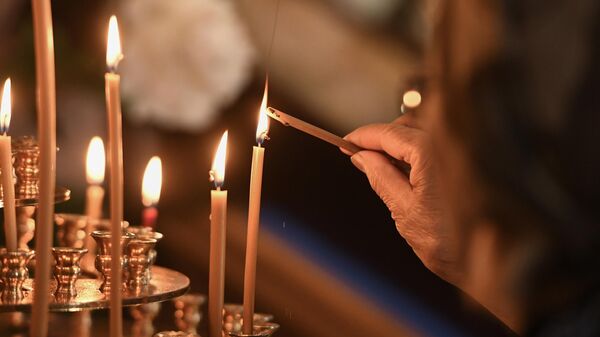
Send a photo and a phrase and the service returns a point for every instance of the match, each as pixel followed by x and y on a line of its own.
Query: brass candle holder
pixel 71 229
pixel 141 232
pixel 13 273
pixel 175 334
pixel 138 263
pixel 26 155
pixel 88 262
pixel 67 270
pixel 103 258
pixel 143 316
pixel 232 322
pixel 187 312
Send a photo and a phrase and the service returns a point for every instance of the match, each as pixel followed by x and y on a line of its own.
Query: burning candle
pixel 218 223
pixel 151 186
pixel 6 168
pixel 95 167
pixel 258 154
pixel 113 107
pixel 46 112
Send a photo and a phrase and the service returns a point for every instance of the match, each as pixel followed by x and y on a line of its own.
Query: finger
pixel 408 119
pixel 346 152
pixel 401 142
pixel 386 180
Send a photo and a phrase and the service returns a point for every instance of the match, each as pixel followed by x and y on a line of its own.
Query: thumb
pixel 390 184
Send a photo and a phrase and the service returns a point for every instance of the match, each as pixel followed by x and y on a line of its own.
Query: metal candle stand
pixel 144 285
pixel 71 290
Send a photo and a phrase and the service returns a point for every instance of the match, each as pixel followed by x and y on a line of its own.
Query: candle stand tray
pixel 165 284
pixel 61 194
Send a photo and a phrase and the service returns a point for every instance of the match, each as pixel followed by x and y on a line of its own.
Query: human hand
pixel 413 200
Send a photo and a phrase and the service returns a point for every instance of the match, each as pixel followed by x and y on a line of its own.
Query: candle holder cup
pixel 138 262
pixel 175 334
pixel 26 153
pixel 13 273
pixel 72 229
pixel 233 321
pixel 187 312
pixel 103 257
pixel 141 232
pixel 88 262
pixel 67 270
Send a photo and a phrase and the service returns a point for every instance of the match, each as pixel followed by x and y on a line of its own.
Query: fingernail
pixel 357 160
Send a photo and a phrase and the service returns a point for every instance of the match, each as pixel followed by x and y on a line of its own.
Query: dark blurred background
pixel 330 258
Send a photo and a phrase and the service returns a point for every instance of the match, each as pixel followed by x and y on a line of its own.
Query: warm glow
pixel 411 99
pixel 113 46
pixel 95 163
pixel 217 171
pixel 6 108
pixel 262 129
pixel 152 182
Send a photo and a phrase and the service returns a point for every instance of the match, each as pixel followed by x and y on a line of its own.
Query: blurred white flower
pixel 184 60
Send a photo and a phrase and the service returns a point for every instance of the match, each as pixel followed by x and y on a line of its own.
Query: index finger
pixel 399 141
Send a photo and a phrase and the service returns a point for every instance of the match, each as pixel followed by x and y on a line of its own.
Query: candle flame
pixel 95 162
pixel 217 172
pixel 262 130
pixel 411 98
pixel 152 182
pixel 113 45
pixel 5 109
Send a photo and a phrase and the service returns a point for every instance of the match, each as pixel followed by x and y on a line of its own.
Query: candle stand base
pixel 175 334
pixel 187 312
pixel 232 323
pixel 166 284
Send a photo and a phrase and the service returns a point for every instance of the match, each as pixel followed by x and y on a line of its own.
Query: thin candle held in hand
pixel 218 226
pixel 327 136
pixel 113 105
pixel 151 187
pixel 312 130
pixel 6 169
pixel 258 155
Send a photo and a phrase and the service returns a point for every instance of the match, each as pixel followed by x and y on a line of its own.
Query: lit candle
pixel 218 223
pixel 258 154
pixel 113 107
pixel 6 169
pixel 46 113
pixel 95 167
pixel 151 186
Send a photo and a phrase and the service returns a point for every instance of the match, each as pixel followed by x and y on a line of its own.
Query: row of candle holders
pixel 138 256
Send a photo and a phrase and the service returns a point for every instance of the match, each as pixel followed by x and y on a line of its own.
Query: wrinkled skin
pixel 413 200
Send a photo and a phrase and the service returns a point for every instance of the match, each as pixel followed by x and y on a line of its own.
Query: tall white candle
pixel 95 169
pixel 218 224
pixel 258 154
pixel 113 106
pixel 6 169
pixel 46 112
